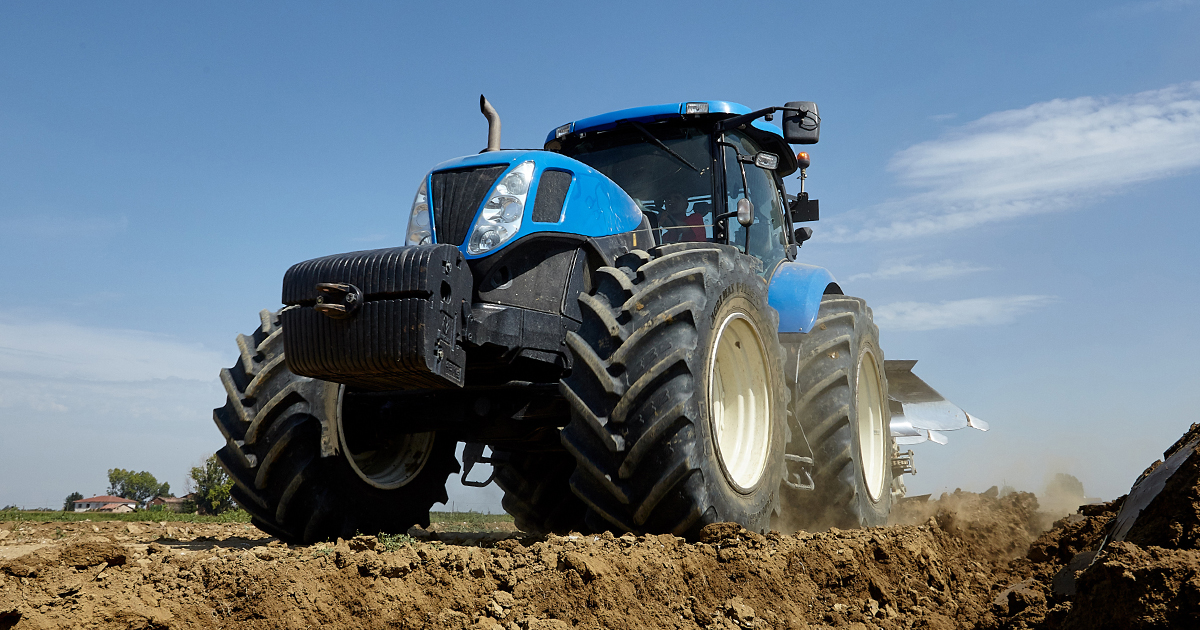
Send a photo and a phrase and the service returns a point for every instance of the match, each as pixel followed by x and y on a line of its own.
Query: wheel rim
pixel 871 438
pixel 385 461
pixel 739 391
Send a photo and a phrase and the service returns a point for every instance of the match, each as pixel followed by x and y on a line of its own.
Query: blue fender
pixel 795 291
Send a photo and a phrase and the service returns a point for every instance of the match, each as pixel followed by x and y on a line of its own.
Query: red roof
pixel 106 499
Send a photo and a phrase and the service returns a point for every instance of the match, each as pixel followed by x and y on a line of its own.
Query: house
pixel 171 504
pixel 115 508
pixel 104 503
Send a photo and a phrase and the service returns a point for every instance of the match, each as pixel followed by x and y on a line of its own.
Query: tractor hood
pixel 483 203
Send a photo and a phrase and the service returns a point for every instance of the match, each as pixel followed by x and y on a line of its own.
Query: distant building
pixel 104 504
pixel 172 504
pixel 115 508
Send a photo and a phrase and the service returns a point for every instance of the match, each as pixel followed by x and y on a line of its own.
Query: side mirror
pixel 802 126
pixel 766 160
pixel 745 212
pixel 804 209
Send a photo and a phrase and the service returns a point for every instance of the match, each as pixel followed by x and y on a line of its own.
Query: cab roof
pixel 655 113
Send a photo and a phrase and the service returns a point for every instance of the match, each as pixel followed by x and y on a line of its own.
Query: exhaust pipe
pixel 493 119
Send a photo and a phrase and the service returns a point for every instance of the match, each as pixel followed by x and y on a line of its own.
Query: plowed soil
pixel 963 560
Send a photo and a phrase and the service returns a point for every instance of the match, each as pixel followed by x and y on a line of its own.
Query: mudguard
pixel 795 291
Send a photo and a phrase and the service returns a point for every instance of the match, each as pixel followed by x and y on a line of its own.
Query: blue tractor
pixel 620 318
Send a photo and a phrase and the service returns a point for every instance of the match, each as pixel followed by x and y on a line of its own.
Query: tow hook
pixel 338 300
pixel 473 454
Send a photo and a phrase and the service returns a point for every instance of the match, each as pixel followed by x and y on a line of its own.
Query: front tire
pixel 678 401
pixel 276 425
pixel 843 416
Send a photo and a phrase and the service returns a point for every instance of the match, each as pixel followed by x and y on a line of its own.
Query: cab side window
pixel 768 235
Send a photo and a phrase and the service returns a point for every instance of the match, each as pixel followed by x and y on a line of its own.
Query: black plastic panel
pixel 551 194
pixel 530 275
pixel 457 195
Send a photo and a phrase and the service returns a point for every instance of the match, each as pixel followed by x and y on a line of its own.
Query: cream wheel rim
pixel 740 411
pixel 871 438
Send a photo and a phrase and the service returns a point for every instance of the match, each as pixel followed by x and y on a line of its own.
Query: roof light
pixel 695 108
pixel 802 160
pixel 562 131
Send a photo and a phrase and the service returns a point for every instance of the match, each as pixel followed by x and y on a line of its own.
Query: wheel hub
pixel 381 458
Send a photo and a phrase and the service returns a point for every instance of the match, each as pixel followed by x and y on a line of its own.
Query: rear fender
pixel 795 291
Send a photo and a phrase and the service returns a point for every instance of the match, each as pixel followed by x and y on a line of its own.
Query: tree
pixel 69 504
pixel 212 485
pixel 139 486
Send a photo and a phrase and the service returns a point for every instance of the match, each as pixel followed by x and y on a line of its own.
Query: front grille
pixel 457 195
pixel 551 194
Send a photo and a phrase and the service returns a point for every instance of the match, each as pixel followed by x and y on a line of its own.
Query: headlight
pixel 419 230
pixel 501 216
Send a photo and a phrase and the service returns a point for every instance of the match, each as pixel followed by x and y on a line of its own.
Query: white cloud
pixel 985 311
pixel 1046 157
pixel 89 399
pixel 908 270
pixel 61 350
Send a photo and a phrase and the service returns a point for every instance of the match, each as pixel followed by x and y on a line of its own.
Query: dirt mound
pixel 1081 574
pixel 964 560
pixel 997 527
pixel 1135 587
pixel 882 578
pixel 1172 519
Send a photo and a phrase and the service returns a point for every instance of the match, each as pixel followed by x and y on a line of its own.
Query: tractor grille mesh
pixel 457 195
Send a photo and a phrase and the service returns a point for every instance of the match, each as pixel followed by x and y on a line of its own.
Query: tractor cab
pixel 700 171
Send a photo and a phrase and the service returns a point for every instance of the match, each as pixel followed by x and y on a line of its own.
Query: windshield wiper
pixel 659 143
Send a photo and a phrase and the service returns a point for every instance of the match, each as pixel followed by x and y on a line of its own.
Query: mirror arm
pixel 737 121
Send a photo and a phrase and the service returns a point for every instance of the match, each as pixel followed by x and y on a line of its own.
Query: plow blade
pixel 919 413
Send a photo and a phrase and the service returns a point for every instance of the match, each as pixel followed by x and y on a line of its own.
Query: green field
pixel 234 516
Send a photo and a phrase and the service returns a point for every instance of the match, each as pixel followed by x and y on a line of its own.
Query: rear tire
pixel 275 424
pixel 842 414
pixel 679 409
pixel 536 490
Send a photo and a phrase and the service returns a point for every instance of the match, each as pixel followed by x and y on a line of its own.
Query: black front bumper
pixel 382 319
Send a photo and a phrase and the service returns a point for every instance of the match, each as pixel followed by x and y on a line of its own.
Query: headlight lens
pixel 419 230
pixel 501 216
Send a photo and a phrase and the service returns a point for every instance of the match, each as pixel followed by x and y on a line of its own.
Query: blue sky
pixel 1012 186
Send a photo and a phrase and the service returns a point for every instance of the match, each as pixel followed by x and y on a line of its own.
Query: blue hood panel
pixel 595 205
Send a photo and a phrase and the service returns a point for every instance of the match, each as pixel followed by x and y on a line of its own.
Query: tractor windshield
pixel 667 169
